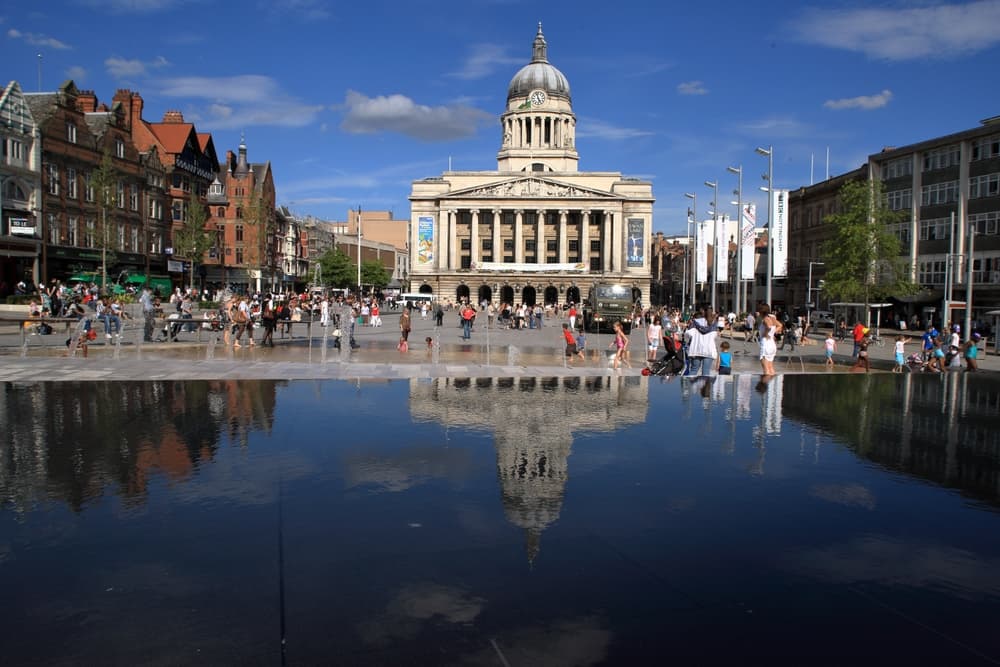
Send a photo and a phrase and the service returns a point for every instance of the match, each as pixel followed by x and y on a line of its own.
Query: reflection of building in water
pixel 71 441
pixel 534 421
pixel 941 428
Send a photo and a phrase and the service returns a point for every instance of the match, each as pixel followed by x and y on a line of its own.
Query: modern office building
pixel 536 229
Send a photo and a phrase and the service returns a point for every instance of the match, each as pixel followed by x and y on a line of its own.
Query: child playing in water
pixel 900 354
pixel 724 364
pixel 830 345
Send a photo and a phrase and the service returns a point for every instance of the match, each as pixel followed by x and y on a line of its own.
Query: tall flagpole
pixel 359 252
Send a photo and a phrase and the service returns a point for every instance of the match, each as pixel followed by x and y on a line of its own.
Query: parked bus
pixel 414 299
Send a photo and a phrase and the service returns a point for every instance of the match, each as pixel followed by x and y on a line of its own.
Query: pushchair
pixel 915 362
pixel 672 363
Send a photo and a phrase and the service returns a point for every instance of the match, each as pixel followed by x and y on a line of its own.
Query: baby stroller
pixel 915 362
pixel 171 327
pixel 672 363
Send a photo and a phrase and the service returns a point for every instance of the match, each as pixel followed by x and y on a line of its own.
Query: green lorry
pixel 606 304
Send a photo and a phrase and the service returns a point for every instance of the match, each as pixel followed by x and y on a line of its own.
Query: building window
pixel 508 245
pixel 487 258
pixel 221 213
pixel 986 148
pixel 53 229
pixel 985 223
pixel 942 158
pixel 574 246
pixel 89 233
pixel 508 259
pixel 177 209
pixel 529 245
pixel 133 199
pixel 898 200
pixel 71 185
pixel 487 244
pixel 119 148
pixel 70 132
pixel 71 227
pixel 595 264
pixel 134 239
pixel 239 232
pixel 595 245
pixel 155 209
pixel 88 188
pixel 120 194
pixel 897 168
pixel 939 193
pixel 466 262
pixel 52 172
pixel 935 229
pixel 121 236
pixel 552 246
pixel 931 272
pixel 239 256
pixel 466 244
pixel 13 152
pixel 987 185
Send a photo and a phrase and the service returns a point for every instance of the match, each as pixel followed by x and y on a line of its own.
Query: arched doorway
pixel 485 294
pixel 551 294
pixel 528 296
pixel 507 294
pixel 637 295
pixel 462 293
pixel 426 289
pixel 573 294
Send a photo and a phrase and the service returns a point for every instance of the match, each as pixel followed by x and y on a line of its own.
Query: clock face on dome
pixel 537 98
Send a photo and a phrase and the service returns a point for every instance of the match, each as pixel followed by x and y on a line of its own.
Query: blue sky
pixel 352 101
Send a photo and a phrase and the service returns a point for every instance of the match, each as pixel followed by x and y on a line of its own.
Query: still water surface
pixel 571 521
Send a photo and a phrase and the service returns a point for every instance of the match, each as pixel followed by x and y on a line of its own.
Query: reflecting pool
pixel 525 521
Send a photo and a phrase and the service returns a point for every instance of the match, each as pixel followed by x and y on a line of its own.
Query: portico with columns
pixel 536 230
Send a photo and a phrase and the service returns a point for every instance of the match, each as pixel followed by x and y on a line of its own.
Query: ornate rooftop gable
pixel 530 186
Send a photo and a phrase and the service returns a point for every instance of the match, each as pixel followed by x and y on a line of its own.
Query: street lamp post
pixel 715 236
pixel 690 247
pixel 769 154
pixel 359 253
pixel 809 290
pixel 738 298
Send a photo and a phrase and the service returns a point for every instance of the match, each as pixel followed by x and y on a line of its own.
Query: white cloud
pixel 133 6
pixel 122 68
pixel 77 73
pixel 929 31
pixel 776 126
pixel 398 113
pixel 692 88
pixel 239 101
pixel 866 102
pixel 312 10
pixel 588 127
pixel 38 40
pixel 485 59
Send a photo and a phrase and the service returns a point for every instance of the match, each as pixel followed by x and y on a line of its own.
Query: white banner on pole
pixel 778 233
pixel 749 237
pixel 701 254
pixel 721 251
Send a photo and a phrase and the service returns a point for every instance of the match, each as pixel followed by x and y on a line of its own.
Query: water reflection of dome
pixel 534 421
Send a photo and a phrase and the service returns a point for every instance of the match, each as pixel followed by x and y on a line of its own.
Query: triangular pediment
pixel 530 187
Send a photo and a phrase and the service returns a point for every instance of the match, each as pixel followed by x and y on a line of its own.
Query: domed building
pixel 536 230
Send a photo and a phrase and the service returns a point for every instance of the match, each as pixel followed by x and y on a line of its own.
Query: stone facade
pixel 536 230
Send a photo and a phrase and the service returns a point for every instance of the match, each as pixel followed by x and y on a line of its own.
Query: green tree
pixel 105 184
pixel 863 261
pixel 192 241
pixel 373 273
pixel 338 269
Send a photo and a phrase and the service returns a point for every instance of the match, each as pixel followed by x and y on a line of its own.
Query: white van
pixel 820 318
pixel 415 299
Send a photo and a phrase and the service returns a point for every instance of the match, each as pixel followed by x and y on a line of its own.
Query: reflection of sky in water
pixel 539 521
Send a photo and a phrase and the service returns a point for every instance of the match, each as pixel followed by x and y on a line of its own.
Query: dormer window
pixel 119 148
pixel 71 133
pixel 216 189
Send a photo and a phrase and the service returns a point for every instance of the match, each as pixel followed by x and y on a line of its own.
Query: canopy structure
pixel 845 309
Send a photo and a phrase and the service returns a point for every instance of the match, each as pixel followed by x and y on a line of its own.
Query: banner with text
pixel 748 238
pixel 425 240
pixel 778 233
pixel 636 243
pixel 701 252
pixel 721 250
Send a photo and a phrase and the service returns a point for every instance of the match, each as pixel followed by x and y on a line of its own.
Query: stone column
pixel 617 234
pixel 606 242
pixel 540 251
pixel 452 240
pixel 585 239
pixel 563 242
pixel 497 243
pixel 519 236
pixel 474 239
